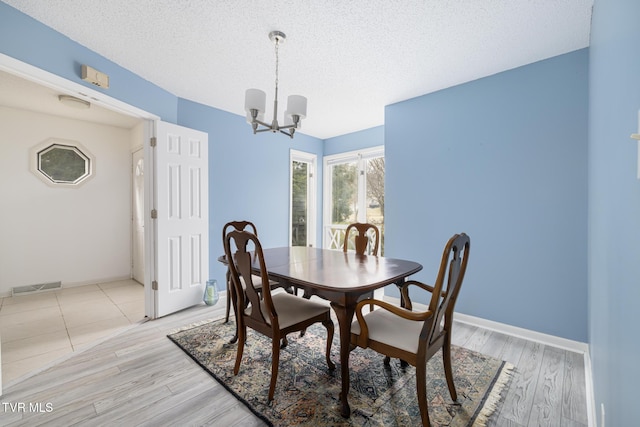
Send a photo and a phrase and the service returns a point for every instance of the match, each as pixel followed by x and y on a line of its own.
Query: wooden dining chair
pixel 368 237
pixel 422 333
pixel 272 314
pixel 257 282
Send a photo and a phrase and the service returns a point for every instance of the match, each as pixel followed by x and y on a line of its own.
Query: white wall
pixel 73 235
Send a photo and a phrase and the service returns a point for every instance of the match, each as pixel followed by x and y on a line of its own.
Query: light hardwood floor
pixel 140 378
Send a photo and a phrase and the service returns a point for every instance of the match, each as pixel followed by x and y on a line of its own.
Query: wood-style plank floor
pixel 140 378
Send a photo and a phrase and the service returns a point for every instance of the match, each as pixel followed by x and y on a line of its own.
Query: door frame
pixel 58 83
pixel 312 214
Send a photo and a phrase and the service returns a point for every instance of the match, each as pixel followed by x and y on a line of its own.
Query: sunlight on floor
pixel 40 328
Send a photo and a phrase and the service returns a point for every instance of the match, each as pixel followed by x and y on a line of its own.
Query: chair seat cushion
pixel 257 282
pixel 390 329
pixel 292 309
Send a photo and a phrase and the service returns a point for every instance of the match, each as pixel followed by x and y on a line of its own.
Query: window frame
pixel 35 164
pixel 358 156
pixel 311 159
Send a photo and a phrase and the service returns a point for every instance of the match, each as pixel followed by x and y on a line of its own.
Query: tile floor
pixel 37 329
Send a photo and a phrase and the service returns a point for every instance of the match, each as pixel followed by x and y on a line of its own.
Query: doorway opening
pixel 109 297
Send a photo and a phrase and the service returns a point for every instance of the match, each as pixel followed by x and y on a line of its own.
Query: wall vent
pixel 41 287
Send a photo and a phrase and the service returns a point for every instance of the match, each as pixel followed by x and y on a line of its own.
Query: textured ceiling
pixel 349 58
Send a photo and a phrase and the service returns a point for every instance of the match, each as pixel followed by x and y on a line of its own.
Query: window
pixel 302 215
pixel 354 192
pixel 63 163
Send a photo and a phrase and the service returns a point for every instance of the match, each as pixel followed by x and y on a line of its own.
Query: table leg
pixel 400 285
pixel 345 317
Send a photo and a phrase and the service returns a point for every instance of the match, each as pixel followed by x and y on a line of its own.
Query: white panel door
pixel 182 224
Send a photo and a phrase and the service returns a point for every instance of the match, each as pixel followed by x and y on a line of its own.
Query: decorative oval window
pixel 62 162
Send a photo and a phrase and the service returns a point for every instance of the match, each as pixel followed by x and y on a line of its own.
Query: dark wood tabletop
pixel 335 271
pixel 341 278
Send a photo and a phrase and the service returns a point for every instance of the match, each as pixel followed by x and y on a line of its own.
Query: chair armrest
pixel 405 291
pixel 363 338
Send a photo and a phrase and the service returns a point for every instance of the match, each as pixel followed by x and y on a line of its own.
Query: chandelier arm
pixel 268 129
pixel 289 134
pixel 262 123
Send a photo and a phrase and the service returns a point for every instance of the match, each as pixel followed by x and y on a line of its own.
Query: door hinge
pixel 153 141
pixel 154 285
pixel 154 214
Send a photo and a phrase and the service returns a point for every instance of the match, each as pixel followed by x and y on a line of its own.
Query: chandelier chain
pixel 277 63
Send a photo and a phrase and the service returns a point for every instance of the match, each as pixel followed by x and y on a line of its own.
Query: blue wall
pixel 363 139
pixel 248 176
pixel 614 208
pixel 504 159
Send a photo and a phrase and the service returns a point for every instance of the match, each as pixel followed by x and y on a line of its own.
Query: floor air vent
pixel 29 289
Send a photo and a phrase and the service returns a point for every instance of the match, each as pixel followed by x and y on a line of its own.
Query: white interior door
pixel 182 226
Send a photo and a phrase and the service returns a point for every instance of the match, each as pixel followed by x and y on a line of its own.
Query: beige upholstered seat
pixel 274 315
pixel 384 327
pixel 288 308
pixel 412 336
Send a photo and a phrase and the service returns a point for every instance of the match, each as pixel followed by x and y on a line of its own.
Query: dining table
pixel 342 278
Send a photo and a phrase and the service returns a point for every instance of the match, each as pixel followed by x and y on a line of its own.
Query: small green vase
pixel 211 292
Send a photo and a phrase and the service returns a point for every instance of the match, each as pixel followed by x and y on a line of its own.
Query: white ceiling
pixel 349 58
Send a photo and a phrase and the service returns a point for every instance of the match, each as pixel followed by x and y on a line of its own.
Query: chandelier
pixel 255 100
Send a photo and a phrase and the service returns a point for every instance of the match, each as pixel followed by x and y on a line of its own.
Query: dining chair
pixel 272 314
pixel 366 233
pixel 423 333
pixel 257 282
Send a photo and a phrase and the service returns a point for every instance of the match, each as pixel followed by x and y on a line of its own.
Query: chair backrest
pixel 248 253
pixel 239 225
pixel 361 240
pixel 447 287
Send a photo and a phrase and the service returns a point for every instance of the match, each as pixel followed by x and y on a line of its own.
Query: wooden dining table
pixel 339 277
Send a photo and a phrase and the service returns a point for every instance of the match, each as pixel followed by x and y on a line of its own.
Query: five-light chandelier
pixel 255 100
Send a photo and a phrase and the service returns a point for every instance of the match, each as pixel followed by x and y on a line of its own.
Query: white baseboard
pixel 546 339
pixel 527 334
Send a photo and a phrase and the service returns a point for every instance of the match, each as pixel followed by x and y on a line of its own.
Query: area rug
pixel 307 392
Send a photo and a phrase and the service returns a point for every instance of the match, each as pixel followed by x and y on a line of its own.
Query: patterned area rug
pixel 307 391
